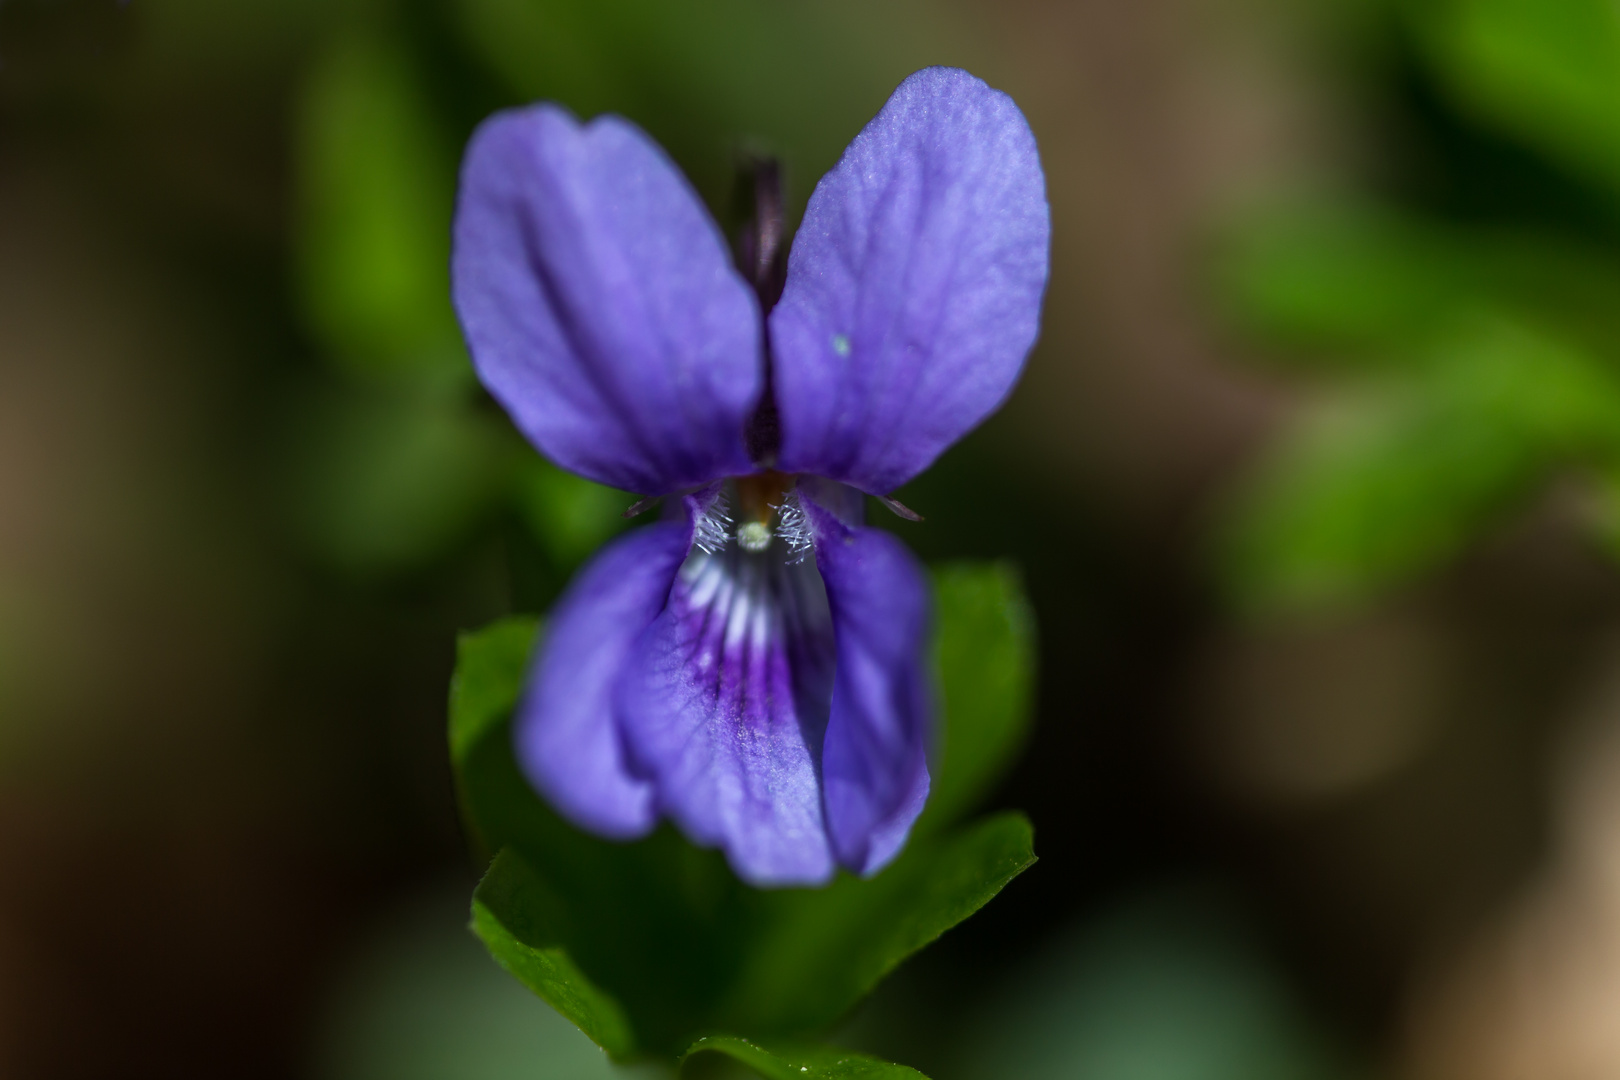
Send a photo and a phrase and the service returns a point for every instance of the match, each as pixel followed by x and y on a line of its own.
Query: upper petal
pixel 565 736
pixel 600 304
pixel 875 756
pixel 725 704
pixel 914 285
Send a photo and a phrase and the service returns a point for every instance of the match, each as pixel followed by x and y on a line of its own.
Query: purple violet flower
pixel 755 665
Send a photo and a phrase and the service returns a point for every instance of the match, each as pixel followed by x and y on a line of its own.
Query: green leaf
pixel 490 667
pixel 1339 275
pixel 821 951
pixel 385 480
pixel 497 804
pixel 376 187
pixel 1378 287
pixel 986 657
pixel 1379 490
pixel 702 79
pixel 1547 71
pixel 516 915
pixel 806 1063
pixel 569 515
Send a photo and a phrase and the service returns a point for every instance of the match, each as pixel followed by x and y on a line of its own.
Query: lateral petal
pixel 565 736
pixel 874 759
pixel 600 304
pixel 914 285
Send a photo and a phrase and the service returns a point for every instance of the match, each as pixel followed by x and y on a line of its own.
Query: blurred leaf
pixel 387 482
pixel 515 914
pixel 986 659
pixel 376 188
pixel 490 668
pixel 708 79
pixel 819 952
pixel 570 516
pixel 556 50
pixel 663 927
pixel 810 1063
pixel 1382 285
pixel 1381 489
pixel 1340 275
pixel 1546 70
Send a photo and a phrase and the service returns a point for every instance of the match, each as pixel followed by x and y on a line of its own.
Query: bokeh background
pixel 1314 480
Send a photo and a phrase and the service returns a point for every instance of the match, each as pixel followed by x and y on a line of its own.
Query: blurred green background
pixel 1314 480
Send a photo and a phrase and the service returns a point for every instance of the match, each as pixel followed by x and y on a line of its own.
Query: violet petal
pixel 875 756
pixel 600 304
pixel 566 740
pixel 725 705
pixel 914 285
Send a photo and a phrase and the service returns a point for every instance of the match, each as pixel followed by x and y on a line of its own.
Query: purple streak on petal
pixel 914 285
pixel 600 304
pixel 567 742
pixel 875 757
pixel 725 706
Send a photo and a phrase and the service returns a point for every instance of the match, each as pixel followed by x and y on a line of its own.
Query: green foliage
pixel 490 666
pixel 396 468
pixel 519 919
pixel 377 184
pixel 818 952
pixel 388 480
pixel 1487 341
pixel 1369 286
pixel 709 79
pixel 1546 70
pixel 986 650
pixel 650 945
pixel 1387 485
pixel 569 515
pixel 1488 351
